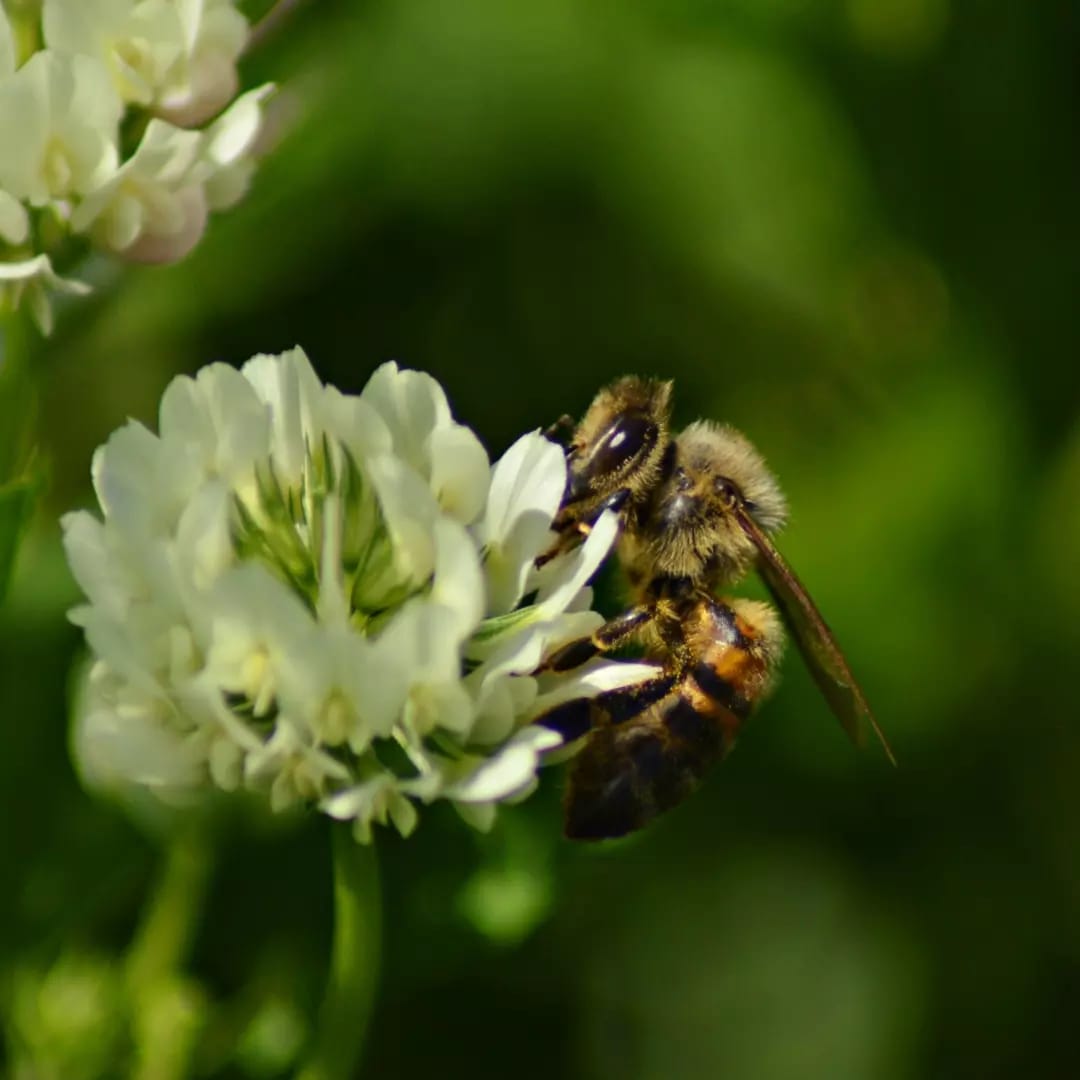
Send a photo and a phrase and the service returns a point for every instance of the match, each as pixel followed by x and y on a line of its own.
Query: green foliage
pixel 17 498
pixel 840 226
pixel 20 475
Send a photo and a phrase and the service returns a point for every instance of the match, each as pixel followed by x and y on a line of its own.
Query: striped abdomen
pixel 631 770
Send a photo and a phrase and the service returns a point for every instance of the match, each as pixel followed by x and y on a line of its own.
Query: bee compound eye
pixel 727 490
pixel 622 442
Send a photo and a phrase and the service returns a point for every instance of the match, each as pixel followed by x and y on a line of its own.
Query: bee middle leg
pixel 602 640
pixel 574 718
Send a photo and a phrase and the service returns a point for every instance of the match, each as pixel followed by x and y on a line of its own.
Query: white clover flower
pixel 177 59
pixel 330 598
pixel 59 118
pixel 154 207
pixel 155 197
pixel 160 71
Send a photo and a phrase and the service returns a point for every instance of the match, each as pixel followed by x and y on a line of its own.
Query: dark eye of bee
pixel 727 491
pixel 623 441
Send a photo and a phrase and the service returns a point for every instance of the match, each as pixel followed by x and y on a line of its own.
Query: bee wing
pixel 814 638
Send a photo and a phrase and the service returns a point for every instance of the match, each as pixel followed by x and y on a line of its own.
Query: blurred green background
pixel 846 226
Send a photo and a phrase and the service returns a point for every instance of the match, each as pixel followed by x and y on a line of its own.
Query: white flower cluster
pixel 329 597
pixel 102 136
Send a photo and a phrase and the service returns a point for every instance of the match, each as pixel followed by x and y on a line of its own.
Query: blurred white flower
pixel 155 197
pixel 206 80
pixel 176 58
pixel 320 596
pixel 154 207
pixel 159 71
pixel 58 126
pixel 228 147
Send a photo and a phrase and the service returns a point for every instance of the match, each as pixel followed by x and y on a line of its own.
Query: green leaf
pixel 498 625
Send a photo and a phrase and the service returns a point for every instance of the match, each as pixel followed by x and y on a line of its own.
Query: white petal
pixel 527 485
pixel 93 563
pixel 203 537
pixel 14 220
pixel 287 383
pixel 589 681
pixel 412 404
pixel 140 43
pixel 58 125
pixel 505 773
pixel 362 683
pixel 356 424
pixel 41 267
pixel 170 240
pixel 529 477
pixel 444 705
pixel 459 582
pixel 156 192
pixel 425 633
pixel 410 512
pixel 138 485
pixel 230 136
pixel 109 749
pixel 459 471
pixel 501 701
pixel 579 566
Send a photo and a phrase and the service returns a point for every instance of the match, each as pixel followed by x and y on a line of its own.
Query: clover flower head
pixel 331 598
pixel 121 131
pixel 177 59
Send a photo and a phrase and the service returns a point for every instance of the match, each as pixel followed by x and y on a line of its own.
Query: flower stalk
pixel 354 961
pixel 171 917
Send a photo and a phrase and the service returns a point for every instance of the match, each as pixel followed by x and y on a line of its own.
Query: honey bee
pixel 697 512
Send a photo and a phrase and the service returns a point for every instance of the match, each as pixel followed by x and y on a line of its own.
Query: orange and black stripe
pixel 650 746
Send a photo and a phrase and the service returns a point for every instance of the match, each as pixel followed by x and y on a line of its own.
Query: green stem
pixel 20 477
pixel 172 915
pixel 17 397
pixel 354 961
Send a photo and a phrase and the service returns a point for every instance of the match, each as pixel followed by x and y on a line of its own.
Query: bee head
pixel 718 470
pixel 728 461
pixel 621 441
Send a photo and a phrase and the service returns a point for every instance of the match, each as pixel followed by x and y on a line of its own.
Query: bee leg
pixel 563 426
pixel 602 640
pixel 575 718
pixel 574 529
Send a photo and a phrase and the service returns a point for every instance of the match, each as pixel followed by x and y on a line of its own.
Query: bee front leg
pixel 560 429
pixel 573 529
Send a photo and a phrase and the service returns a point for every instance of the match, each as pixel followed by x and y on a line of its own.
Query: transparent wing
pixel 814 639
